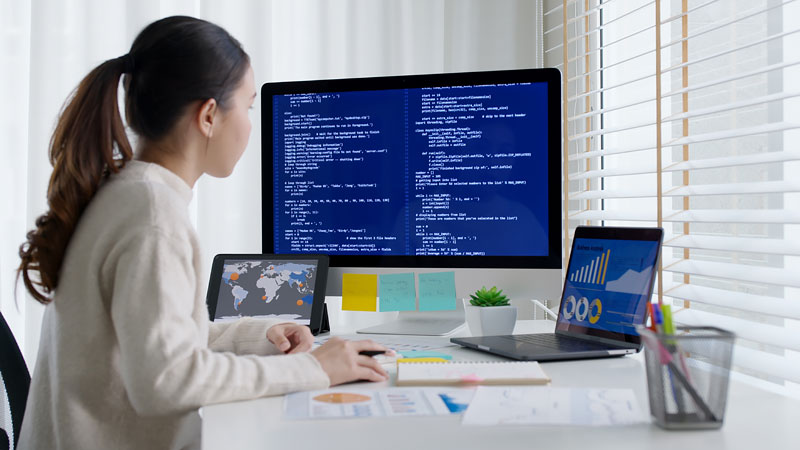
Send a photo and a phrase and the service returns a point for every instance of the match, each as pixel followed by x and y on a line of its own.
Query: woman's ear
pixel 205 117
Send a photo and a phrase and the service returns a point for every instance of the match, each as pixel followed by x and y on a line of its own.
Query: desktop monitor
pixel 421 173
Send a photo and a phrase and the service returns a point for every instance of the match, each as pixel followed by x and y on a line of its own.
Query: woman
pixel 127 353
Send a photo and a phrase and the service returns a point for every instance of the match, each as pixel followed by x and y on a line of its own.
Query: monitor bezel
pixel 550 76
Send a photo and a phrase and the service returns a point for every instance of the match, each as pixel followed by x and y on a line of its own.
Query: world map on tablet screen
pixel 268 289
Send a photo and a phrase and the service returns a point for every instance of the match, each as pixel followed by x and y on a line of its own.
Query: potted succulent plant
pixel 489 313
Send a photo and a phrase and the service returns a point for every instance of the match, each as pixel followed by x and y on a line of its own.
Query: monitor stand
pixel 424 323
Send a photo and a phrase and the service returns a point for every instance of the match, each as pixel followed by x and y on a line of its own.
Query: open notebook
pixel 470 372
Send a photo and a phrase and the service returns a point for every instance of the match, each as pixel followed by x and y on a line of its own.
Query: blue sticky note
pixel 396 292
pixel 437 291
pixel 425 354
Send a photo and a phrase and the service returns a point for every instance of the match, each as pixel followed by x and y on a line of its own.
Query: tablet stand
pixel 324 326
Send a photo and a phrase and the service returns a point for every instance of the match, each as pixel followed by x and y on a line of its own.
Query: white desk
pixel 754 419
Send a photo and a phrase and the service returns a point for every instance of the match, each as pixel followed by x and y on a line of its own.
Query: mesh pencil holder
pixel 687 376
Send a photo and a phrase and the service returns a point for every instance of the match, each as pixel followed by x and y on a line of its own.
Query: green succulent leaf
pixel 488 297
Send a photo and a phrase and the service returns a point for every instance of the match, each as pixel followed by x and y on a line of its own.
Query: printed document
pixel 541 405
pixel 390 402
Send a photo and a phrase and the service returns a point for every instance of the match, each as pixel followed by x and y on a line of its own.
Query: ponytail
pixel 178 60
pixel 88 144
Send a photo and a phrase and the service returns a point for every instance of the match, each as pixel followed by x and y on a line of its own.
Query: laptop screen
pixel 607 286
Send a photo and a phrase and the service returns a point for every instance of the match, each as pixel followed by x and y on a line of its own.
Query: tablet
pixel 288 287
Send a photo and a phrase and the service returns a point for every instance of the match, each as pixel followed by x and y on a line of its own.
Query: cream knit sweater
pixel 127 352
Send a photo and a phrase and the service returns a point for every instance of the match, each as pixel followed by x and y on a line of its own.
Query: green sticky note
pixel 397 292
pixel 425 354
pixel 359 292
pixel 437 291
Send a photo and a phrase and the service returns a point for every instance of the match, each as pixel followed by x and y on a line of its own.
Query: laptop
pixel 609 281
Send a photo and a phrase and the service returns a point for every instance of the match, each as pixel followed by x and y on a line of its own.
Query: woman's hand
pixel 340 360
pixel 291 337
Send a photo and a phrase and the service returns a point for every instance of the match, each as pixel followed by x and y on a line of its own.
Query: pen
pixel 371 352
pixel 698 400
pixel 669 328
pixel 666 312
pixel 658 319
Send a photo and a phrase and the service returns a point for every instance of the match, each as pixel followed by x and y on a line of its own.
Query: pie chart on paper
pixel 342 397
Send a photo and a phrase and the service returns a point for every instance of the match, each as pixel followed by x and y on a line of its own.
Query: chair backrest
pixel 16 380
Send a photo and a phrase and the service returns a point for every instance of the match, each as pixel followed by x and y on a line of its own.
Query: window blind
pixel 685 114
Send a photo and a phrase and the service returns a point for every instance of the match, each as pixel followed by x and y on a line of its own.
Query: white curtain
pixel 47 46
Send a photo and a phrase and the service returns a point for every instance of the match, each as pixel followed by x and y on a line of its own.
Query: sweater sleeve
pixel 166 364
pixel 246 336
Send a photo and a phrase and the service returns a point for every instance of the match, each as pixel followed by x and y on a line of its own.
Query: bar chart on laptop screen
pixel 608 282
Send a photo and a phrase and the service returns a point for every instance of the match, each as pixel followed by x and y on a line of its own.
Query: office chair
pixel 15 381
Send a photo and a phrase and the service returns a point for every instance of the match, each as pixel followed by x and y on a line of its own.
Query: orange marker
pixel 652 317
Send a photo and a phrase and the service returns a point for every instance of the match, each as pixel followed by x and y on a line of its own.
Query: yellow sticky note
pixel 422 360
pixel 359 292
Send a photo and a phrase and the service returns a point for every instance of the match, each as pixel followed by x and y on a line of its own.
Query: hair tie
pixel 127 63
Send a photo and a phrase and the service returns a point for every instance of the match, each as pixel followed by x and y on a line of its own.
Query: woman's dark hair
pixel 172 63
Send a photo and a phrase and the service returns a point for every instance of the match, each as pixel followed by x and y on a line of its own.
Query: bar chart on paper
pixel 339 403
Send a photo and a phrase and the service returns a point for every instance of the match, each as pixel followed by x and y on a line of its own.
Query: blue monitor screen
pixel 460 170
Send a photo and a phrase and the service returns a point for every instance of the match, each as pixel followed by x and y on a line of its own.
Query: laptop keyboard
pixel 555 342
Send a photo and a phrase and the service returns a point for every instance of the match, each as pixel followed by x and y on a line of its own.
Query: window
pixel 686 115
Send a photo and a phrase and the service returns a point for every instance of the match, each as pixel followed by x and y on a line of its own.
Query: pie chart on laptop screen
pixel 342 397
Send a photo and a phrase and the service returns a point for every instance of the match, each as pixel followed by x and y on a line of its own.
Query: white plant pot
pixel 490 320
